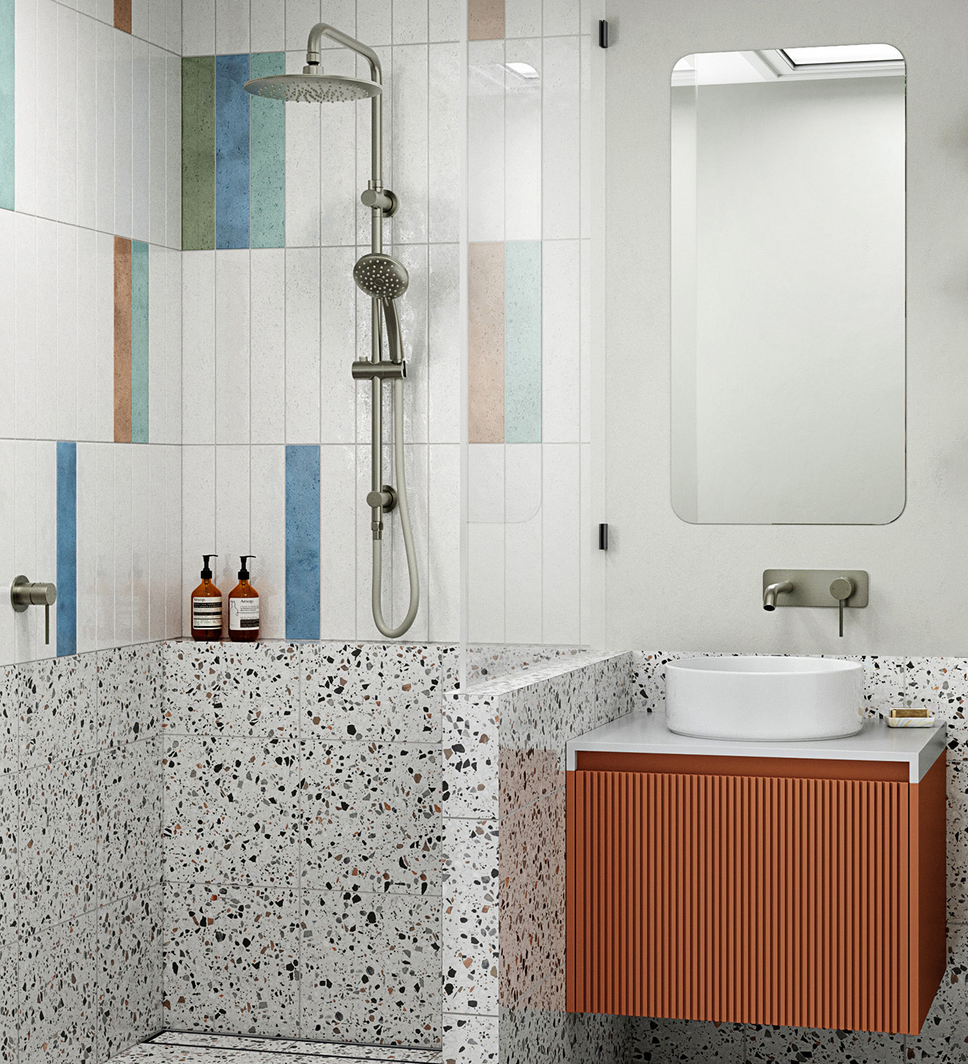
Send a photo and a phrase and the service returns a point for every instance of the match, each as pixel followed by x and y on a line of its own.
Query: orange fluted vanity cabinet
pixel 755 890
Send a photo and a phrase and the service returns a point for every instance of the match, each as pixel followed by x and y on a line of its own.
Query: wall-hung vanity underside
pixel 797 884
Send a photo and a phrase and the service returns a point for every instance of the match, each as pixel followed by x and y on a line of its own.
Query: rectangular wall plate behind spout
pixel 811 587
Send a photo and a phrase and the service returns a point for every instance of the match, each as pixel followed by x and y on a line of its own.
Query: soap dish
pixel 911 722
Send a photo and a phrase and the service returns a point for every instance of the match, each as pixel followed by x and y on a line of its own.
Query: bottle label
pixel 243 614
pixel 207 611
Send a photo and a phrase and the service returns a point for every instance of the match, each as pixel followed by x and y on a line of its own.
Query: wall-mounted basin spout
pixel 769 595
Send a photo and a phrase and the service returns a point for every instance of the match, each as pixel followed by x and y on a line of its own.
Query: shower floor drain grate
pixel 175 1047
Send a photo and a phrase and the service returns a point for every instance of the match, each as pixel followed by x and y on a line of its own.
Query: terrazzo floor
pixel 173 1047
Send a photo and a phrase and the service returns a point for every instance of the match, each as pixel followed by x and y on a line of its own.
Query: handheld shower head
pixel 381 276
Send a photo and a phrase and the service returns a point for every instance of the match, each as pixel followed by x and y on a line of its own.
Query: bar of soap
pixel 909 713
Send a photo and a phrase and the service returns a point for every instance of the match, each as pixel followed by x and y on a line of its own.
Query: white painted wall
pixel 682 586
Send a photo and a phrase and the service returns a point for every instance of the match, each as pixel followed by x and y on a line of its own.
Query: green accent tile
pixel 198 153
pixel 522 341
pixel 139 342
pixel 267 158
pixel 6 103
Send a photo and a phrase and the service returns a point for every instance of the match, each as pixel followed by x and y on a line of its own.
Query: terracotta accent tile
pixel 122 340
pixel 122 15
pixel 485 327
pixel 485 20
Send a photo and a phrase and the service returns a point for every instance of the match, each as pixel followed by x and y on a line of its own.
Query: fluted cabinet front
pixel 752 898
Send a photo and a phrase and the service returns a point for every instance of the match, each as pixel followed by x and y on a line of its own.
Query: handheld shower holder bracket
pixel 385 500
pixel 365 370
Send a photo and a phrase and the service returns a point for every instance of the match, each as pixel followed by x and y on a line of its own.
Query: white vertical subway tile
pixel 363 122
pixel 442 577
pixel 64 381
pixel 337 542
pixel 25 382
pixel 198 27
pixel 267 344
pixel 140 140
pixel 561 538
pixel 123 544
pixel 104 120
pixel 157 344
pixel 443 345
pixel 86 123
pixel 561 17
pixel 485 583
pixel 267 536
pixel 302 166
pixel 157 13
pixel 174 39
pixel 416 466
pixel 445 20
pixel 87 547
pixel 523 191
pixel 268 26
pixel 412 311
pixel 141 19
pixel 232 26
pixel 485 141
pixel 560 142
pixel 25 542
pixel 173 153
pixel 232 346
pixel 588 386
pixel 523 543
pixel 590 133
pixel 26 80
pixel 374 22
pixel 157 145
pixel 86 357
pixel 592 574
pixel 46 174
pixel 339 181
pixel 107 578
pixel 199 400
pixel 301 16
pixel 124 111
pixel 104 11
pixel 46 547
pixel 445 147
pixel 523 18
pixel 174 584
pixel 45 422
pixel 410 21
pixel 141 544
pixel 485 483
pixel 198 521
pixel 231 515
pixel 172 296
pixel 104 338
pixel 8 540
pixel 337 344
pixel 561 341
pixel 8 324
pixel 409 88
pixel 302 345
pixel 365 626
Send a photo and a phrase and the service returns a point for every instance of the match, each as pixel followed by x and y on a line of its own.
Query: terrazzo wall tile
pixel 10 792
pixel 9 1001
pixel 231 959
pixel 59 709
pixel 681 1042
pixel 470 1039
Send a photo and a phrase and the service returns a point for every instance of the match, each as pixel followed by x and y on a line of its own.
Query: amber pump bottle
pixel 244 608
pixel 207 606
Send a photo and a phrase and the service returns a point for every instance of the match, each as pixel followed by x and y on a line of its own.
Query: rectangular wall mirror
pixel 788 319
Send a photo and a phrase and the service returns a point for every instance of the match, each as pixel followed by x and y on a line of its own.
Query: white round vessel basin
pixel 766 699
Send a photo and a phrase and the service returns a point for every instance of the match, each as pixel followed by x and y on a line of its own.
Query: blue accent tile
pixel 231 151
pixel 66 607
pixel 6 103
pixel 522 341
pixel 302 542
pixel 139 342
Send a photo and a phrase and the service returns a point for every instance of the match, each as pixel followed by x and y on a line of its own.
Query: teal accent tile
pixel 267 158
pixel 522 341
pixel 6 103
pixel 139 342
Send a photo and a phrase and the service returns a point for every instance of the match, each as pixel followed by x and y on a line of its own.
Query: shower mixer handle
pixel 380 199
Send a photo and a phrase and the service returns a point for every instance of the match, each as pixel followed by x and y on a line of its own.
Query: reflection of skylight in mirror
pixel 843 53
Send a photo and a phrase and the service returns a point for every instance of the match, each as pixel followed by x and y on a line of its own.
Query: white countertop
pixel 646 733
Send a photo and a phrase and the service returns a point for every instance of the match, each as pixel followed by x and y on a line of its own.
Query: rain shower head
pixel 381 277
pixel 313 88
